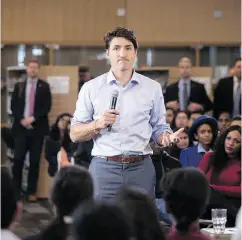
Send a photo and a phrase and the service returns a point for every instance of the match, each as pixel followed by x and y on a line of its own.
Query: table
pixel 226 235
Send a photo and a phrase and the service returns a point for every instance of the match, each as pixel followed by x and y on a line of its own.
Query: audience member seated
pixel 180 120
pixel 72 186
pixel 186 193
pixel 163 163
pixel 142 214
pixel 183 143
pixel 82 155
pixel 100 221
pixel 170 113
pixel 236 120
pixel 193 116
pixel 222 168
pixel 11 207
pixel 187 94
pixel 224 120
pixel 58 140
pixel 204 129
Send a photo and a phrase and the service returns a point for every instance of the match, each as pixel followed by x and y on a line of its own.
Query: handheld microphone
pixel 113 102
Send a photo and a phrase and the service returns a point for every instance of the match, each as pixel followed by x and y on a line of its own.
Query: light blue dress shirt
pixel 181 91
pixel 200 149
pixel 142 114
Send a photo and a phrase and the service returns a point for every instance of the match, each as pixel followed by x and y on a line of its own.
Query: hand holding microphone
pixel 109 116
pixel 107 119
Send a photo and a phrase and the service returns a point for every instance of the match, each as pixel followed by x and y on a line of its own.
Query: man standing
pixel 187 95
pixel 122 155
pixel 227 94
pixel 30 104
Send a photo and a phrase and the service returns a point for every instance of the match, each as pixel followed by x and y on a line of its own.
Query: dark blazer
pixel 198 95
pixel 41 108
pixel 224 97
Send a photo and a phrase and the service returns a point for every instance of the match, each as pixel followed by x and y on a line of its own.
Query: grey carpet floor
pixel 36 217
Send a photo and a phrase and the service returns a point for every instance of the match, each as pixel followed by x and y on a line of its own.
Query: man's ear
pixel 107 52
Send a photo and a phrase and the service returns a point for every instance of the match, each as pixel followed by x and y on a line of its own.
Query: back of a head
pixel 9 199
pixel 142 213
pixel 72 185
pixel 186 193
pixel 100 221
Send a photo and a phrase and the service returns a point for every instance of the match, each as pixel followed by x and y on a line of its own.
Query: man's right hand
pixel 26 124
pixel 173 104
pixel 108 118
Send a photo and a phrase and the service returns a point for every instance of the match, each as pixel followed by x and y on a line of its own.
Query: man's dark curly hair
pixel 120 32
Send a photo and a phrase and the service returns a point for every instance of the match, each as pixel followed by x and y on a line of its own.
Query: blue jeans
pixel 109 176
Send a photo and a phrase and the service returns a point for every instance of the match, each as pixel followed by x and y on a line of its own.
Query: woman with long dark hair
pixel 222 168
pixel 186 193
pixel 58 141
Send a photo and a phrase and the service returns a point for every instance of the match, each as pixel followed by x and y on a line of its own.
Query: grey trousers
pixel 109 176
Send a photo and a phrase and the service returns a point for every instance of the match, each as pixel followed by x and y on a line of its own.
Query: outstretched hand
pixel 167 139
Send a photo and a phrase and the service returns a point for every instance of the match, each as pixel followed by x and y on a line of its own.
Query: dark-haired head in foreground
pixel 72 185
pixel 100 221
pixel 186 194
pixel 142 213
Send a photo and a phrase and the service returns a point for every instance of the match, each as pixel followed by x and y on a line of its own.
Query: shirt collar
pixel 111 78
pixel 236 79
pixel 182 82
pixel 200 148
pixel 34 80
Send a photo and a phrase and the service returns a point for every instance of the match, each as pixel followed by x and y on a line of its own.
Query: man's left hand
pixel 167 139
pixel 192 107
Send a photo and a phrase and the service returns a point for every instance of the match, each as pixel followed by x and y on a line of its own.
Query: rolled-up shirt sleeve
pixel 84 107
pixel 158 116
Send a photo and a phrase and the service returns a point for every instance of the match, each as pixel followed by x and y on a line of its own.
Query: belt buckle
pixel 124 161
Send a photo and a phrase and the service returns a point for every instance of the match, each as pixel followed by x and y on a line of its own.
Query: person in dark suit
pixel 30 104
pixel 186 94
pixel 227 94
